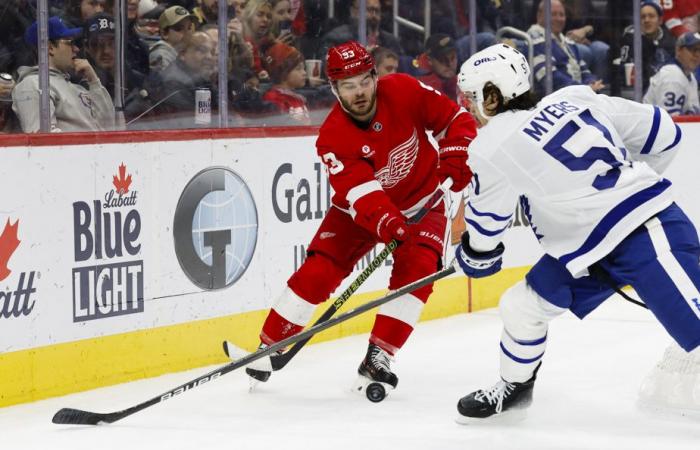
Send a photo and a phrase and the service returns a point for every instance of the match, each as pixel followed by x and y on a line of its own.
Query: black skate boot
pixel 376 378
pixel 502 397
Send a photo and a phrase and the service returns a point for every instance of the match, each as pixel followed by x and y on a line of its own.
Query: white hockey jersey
pixel 674 91
pixel 583 166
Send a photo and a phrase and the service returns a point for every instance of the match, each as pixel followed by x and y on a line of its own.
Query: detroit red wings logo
pixel 401 159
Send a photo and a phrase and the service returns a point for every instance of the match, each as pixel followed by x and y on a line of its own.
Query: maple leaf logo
pixel 122 182
pixel 8 245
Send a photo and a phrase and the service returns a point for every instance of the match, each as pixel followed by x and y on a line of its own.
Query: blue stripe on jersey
pixel 527 342
pixel 656 121
pixel 676 140
pixel 520 360
pixel 488 214
pixel 483 230
pixel 616 214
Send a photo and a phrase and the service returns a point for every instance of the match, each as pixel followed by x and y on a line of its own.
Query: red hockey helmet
pixel 347 60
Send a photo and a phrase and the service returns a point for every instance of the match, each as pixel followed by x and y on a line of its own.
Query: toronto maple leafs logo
pixel 401 159
pixel 8 245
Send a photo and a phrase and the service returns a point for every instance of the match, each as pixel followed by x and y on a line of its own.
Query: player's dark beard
pixel 354 111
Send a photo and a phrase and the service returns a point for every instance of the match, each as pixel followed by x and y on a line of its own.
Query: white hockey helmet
pixel 499 64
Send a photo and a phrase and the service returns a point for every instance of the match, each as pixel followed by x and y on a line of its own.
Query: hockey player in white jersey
pixel 674 87
pixel 585 169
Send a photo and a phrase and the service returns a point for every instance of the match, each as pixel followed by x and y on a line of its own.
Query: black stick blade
pixel 70 416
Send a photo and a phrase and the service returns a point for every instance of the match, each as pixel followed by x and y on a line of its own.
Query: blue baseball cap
pixel 57 30
pixel 688 39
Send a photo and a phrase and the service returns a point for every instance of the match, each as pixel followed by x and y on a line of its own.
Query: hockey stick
pixel 72 416
pixel 278 361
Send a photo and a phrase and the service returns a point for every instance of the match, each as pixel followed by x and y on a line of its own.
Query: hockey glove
pixel 453 163
pixel 376 213
pixel 478 264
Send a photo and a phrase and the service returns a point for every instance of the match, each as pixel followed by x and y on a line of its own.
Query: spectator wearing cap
pixel 99 48
pixel 674 87
pixel 658 45
pixel 385 60
pixel 286 68
pixel 176 26
pixel 73 106
pixel 440 61
pixel 8 121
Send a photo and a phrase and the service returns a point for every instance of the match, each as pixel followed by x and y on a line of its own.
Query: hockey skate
pixel 375 377
pixel 501 398
pixel 260 370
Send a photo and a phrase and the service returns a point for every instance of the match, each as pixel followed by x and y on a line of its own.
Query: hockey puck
pixel 375 392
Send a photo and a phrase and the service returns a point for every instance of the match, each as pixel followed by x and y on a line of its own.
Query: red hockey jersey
pixel 393 153
pixel 676 12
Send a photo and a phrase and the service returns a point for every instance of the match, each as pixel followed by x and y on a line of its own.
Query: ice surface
pixel 585 397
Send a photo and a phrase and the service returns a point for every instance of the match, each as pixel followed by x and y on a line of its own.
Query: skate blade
pixel 511 416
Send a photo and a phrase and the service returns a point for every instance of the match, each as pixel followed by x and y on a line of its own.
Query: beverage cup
pixel 313 68
pixel 629 74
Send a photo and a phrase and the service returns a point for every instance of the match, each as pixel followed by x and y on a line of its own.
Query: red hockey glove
pixel 376 213
pixel 453 163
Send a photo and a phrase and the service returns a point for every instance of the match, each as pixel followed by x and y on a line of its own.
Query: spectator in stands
pixel 239 6
pixel 8 121
pixel 440 60
pixel 77 12
pixel 674 87
pixel 487 13
pixel 257 32
pixel 282 22
pixel 176 26
pixel 15 17
pixel 582 25
pixel 286 68
pixel 73 107
pixel 375 35
pixel 386 61
pixel 681 16
pixel 208 13
pixel 568 68
pixel 658 44
pixel 192 70
pixel 147 26
pixel 99 50
pixel 135 50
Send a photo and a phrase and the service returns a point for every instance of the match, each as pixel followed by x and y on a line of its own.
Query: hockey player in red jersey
pixel 383 169
pixel 681 16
